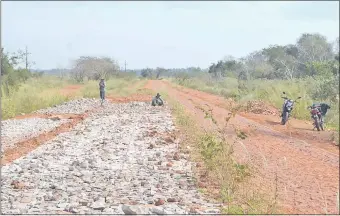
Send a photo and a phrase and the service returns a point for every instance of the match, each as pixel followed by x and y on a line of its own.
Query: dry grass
pixel 114 87
pixel 36 93
pixel 39 93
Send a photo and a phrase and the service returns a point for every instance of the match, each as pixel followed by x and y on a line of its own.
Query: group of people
pixel 156 101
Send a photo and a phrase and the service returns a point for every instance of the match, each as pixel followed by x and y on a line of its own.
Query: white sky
pixel 158 34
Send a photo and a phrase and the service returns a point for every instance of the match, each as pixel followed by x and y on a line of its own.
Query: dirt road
pixel 54 168
pixel 304 165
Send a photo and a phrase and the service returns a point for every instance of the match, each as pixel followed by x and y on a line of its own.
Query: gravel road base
pixel 107 165
pixel 74 107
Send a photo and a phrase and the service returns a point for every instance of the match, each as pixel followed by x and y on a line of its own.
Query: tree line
pixel 312 55
pixel 12 71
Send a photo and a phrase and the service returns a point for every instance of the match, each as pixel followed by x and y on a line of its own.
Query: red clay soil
pixel 24 147
pixel 70 90
pixel 298 129
pixel 47 116
pixel 131 98
pixel 303 165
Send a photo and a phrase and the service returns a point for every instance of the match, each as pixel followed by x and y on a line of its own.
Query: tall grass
pixel 43 92
pixel 114 87
pixel 36 93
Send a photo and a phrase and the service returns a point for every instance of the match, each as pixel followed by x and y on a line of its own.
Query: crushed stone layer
pixel 16 130
pixel 107 164
pixel 78 106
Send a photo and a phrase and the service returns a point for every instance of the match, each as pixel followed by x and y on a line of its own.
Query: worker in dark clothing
pixel 157 100
pixel 102 90
pixel 323 108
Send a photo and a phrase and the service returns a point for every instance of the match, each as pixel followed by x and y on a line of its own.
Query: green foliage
pixel 210 147
pixel 36 93
pixel 11 77
pixel 311 55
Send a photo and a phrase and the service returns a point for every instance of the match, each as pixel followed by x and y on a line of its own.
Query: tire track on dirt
pixel 307 176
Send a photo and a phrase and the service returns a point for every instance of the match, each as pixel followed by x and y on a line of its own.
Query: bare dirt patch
pixel 70 90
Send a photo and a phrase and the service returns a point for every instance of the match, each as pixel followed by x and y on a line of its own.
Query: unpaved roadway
pixel 81 158
pixel 303 165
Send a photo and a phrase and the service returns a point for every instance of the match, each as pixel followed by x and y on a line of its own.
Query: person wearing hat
pixel 102 90
pixel 157 101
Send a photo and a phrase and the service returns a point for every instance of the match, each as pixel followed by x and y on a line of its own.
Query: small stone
pixel 151 202
pixel 49 197
pixel 83 202
pixel 151 146
pixel 202 185
pixel 182 183
pixel 84 165
pixel 168 140
pixel 62 205
pixel 73 210
pixel 193 210
pixel 212 211
pixel 98 205
pixel 179 172
pixel 55 118
pixel 133 202
pixel 26 200
pixel 78 174
pixel 158 154
pixel 171 200
pixel 109 211
pixel 124 201
pixel 176 156
pixel 158 211
pixel 134 210
pixel 169 164
pixel 159 202
pixel 18 185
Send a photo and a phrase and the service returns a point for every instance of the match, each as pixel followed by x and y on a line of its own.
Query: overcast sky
pixel 158 34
